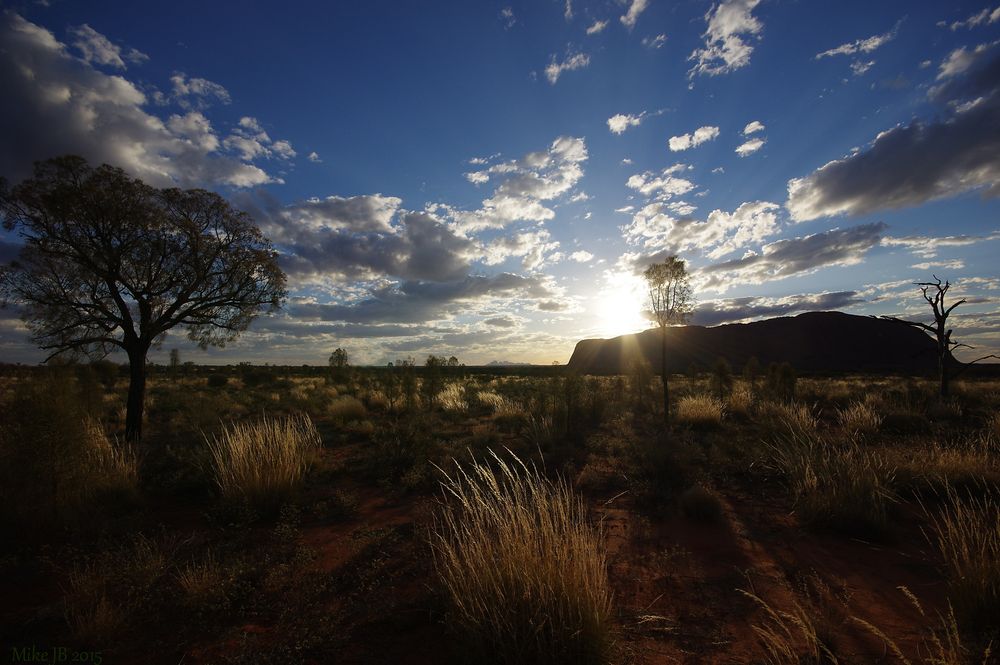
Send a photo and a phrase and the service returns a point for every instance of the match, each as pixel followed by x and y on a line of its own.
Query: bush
pixel 701 505
pixel 780 381
pixel 263 461
pixel 217 380
pixel 523 568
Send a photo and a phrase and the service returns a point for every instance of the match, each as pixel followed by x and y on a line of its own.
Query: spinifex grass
pixel 263 460
pixel 966 533
pixel 524 569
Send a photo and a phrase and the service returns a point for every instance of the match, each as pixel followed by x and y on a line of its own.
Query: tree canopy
pixel 110 262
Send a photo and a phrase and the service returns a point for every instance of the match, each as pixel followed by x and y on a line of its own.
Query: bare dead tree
pixel 110 263
pixel 934 293
pixel 671 303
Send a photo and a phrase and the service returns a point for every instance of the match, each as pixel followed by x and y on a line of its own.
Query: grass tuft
pixel 524 569
pixel 264 460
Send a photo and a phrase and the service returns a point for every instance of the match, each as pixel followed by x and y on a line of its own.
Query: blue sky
pixel 486 180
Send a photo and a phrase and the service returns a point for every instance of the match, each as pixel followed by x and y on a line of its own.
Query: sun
pixel 620 304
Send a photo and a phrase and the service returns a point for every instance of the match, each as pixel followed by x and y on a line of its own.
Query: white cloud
pixel 524 185
pixel 753 127
pixel 654 42
pixel 314 157
pixel 581 256
pixel 664 185
pixel 725 50
pixel 859 67
pixel 96 48
pixel 597 27
pixel 928 246
pixel 866 45
pixel 250 141
pixel 749 147
pixel 956 264
pixel 985 17
pixel 196 93
pixel 62 104
pixel 574 61
pixel 654 227
pixel 619 122
pixel 635 8
pixel 686 141
pixel 507 18
pixel 961 59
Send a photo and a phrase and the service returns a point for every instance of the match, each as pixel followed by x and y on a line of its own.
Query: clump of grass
pixel 789 637
pixel 524 569
pixel 860 419
pixel 700 411
pixel 789 417
pixel 452 398
pixel 966 533
pixel 841 485
pixel 345 409
pixel 740 401
pixel 970 463
pixel 502 407
pixel 262 461
pixel 941 646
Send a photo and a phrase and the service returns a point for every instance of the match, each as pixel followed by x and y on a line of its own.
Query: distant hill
pixel 811 342
pixel 506 363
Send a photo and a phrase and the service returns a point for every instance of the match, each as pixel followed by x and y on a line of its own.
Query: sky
pixel 488 180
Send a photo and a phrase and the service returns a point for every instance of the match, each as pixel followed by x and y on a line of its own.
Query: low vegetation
pixel 298 515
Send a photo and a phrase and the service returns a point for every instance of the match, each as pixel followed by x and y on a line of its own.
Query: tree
pixel 110 262
pixel 934 293
pixel 338 359
pixel 175 362
pixel 670 303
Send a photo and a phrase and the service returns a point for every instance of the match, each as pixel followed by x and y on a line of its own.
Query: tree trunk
pixel 663 373
pixel 943 374
pixel 136 395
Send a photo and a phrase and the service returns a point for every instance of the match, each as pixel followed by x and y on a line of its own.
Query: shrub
pixel 217 380
pixel 700 411
pixel 452 398
pixel 780 381
pixel 721 378
pixel 740 401
pixel 523 568
pixel 263 460
pixel 701 505
pixel 966 533
pixel 797 418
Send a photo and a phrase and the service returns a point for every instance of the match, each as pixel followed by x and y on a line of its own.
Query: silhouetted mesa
pixel 811 342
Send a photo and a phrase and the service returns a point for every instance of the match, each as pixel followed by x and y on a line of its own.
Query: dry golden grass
pixel 452 398
pixel 524 570
pixel 263 460
pixel 940 646
pixel 973 461
pixel 789 637
pixel 839 484
pixel 345 409
pixel 501 406
pixel 740 401
pixel 700 411
pixel 860 419
pixel 966 533
pixel 797 418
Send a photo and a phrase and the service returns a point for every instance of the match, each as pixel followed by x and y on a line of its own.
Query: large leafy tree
pixel 670 303
pixel 110 262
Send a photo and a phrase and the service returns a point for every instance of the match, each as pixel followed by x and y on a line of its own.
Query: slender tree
pixel 110 262
pixel 670 302
pixel 934 293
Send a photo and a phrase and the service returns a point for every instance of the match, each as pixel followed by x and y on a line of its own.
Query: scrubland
pixel 279 515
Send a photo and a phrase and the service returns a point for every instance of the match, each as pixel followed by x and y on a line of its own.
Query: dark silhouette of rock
pixel 812 342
